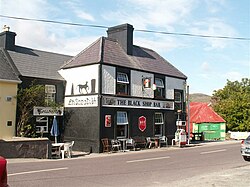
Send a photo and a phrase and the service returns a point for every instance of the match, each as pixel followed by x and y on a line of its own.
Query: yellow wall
pixel 7 109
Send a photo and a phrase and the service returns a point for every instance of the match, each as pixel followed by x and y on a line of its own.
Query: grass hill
pixel 199 97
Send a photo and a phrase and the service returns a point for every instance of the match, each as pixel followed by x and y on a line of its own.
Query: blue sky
pixel 207 62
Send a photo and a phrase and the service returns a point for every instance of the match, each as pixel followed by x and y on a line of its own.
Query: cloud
pixel 214 27
pixel 233 76
pixel 146 13
pixel 205 67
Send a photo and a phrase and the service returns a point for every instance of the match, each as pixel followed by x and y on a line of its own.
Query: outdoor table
pixel 124 147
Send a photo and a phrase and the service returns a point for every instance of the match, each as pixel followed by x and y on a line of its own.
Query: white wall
pixel 80 80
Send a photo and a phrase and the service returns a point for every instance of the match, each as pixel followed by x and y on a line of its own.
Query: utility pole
pixel 188 113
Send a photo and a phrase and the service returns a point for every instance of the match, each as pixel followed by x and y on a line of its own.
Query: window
pixel 50 93
pixel 160 91
pixel 178 100
pixel 41 124
pixel 159 124
pixel 122 83
pixel 122 125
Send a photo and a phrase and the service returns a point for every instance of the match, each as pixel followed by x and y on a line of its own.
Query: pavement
pixel 82 155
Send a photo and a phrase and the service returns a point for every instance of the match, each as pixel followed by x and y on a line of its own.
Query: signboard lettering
pixel 81 101
pixel 137 103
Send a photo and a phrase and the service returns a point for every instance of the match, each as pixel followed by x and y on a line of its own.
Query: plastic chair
pixel 106 145
pixel 67 149
pixel 130 143
pixel 116 145
pixel 163 140
pixel 149 143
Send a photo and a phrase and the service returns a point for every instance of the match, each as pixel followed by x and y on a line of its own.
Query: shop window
pixel 160 89
pixel 159 124
pixel 50 93
pixel 178 100
pixel 122 124
pixel 41 124
pixel 122 84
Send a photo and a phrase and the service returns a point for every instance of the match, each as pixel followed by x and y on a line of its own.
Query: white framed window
pixel 160 88
pixel 122 83
pixel 178 100
pixel 159 124
pixel 50 93
pixel 122 78
pixel 42 124
pixel 122 124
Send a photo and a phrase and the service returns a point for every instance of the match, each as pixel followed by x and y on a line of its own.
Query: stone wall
pixel 26 148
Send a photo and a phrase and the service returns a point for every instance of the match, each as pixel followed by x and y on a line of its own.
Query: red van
pixel 3 172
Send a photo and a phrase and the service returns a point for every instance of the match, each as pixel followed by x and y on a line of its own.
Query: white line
pixel 148 159
pixel 215 151
pixel 37 171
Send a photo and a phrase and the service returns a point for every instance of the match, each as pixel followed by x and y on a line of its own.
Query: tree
pixel 26 100
pixel 233 104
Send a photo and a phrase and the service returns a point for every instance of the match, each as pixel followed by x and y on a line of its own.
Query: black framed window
pixel 122 84
pixel 122 124
pixel 178 100
pixel 160 88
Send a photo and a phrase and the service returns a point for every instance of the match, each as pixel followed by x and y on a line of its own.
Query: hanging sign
pixel 142 123
pixel 107 120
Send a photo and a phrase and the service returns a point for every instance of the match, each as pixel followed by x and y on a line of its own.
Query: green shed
pixel 203 119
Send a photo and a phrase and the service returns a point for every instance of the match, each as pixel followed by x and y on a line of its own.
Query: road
pixel 211 164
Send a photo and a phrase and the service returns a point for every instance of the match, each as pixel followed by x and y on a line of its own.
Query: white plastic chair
pixel 163 140
pixel 67 149
pixel 116 145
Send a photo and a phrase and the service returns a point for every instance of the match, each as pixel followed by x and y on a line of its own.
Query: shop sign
pixel 142 123
pixel 48 111
pixel 81 101
pixel 136 103
pixel 107 120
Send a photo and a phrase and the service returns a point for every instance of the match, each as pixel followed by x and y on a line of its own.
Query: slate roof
pixel 36 63
pixel 7 72
pixel 109 51
pixel 202 113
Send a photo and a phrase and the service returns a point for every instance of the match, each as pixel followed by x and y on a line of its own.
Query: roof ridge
pixel 41 51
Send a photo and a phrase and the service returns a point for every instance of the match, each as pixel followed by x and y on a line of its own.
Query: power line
pixel 138 30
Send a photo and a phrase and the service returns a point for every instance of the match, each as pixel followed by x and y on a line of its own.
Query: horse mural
pixel 83 86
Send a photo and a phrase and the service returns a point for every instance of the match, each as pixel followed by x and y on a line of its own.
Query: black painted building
pixel 116 89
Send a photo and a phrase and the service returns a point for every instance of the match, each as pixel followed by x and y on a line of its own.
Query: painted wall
pixel 136 84
pixel 7 109
pixel 173 83
pixel 108 79
pixel 81 80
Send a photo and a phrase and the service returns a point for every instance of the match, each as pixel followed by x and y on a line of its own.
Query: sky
pixel 207 62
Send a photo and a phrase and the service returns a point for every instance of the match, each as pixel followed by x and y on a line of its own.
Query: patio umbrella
pixel 54 129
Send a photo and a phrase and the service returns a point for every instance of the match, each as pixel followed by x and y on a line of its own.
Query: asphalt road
pixel 210 164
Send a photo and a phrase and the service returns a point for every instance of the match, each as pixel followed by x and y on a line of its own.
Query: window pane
pixel 122 118
pixel 158 118
pixel 122 89
pixel 159 83
pixel 177 96
pixel 122 78
pixel 158 130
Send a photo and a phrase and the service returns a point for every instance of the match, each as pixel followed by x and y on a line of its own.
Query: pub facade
pixel 116 90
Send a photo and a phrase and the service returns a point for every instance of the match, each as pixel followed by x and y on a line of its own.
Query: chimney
pixel 7 39
pixel 124 35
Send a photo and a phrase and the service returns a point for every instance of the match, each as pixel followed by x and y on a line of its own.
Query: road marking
pixel 215 151
pixel 37 171
pixel 147 159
